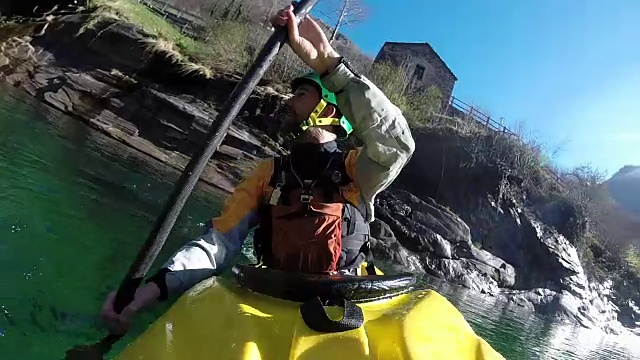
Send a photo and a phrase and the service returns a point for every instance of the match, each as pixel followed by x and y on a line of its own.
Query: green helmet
pixel 328 97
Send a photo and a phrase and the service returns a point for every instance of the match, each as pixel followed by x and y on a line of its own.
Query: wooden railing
pixel 189 23
pixel 459 109
pixel 169 8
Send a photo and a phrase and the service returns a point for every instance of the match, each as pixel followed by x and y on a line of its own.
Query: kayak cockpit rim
pixel 331 289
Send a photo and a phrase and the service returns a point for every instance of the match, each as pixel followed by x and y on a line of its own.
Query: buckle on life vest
pixel 275 196
pixel 277 192
pixel 307 195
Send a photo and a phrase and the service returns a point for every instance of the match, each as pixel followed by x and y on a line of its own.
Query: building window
pixel 418 73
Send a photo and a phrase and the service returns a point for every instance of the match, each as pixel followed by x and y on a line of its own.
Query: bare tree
pixel 344 13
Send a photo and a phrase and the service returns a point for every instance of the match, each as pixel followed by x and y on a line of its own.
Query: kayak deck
pixel 218 320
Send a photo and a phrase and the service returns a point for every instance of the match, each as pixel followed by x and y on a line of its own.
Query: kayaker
pixel 299 202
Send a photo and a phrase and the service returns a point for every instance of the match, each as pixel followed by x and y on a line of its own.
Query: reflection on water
pixel 75 205
pixel 520 334
pixel 74 208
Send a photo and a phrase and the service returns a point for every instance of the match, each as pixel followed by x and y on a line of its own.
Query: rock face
pixel 386 247
pixel 26 7
pixel 630 316
pixel 590 307
pixel 166 125
pixel 441 241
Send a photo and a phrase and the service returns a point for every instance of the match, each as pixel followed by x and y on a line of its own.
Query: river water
pixel 75 206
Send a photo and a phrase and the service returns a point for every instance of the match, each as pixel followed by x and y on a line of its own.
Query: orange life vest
pixel 306 225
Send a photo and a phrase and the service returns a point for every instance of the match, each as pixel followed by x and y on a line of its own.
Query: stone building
pixel 423 65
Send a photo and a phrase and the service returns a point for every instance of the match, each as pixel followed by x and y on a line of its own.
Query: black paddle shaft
pixel 184 186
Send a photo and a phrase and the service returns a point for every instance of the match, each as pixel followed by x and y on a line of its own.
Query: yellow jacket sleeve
pixel 211 253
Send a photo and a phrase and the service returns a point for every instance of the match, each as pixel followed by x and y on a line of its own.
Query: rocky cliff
pixel 446 214
pixel 451 219
pixel 106 77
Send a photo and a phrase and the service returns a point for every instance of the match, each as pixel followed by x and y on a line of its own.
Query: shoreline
pixel 51 113
pixel 139 113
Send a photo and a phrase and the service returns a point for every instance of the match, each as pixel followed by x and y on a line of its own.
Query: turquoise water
pixel 74 207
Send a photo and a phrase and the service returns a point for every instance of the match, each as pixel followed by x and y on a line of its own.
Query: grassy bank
pixel 224 46
pixel 193 55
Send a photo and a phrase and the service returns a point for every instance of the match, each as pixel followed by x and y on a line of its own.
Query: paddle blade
pixel 94 351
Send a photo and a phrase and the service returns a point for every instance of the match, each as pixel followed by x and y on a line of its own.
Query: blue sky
pixel 568 70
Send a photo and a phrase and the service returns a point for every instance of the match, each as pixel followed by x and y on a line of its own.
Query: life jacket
pixel 306 225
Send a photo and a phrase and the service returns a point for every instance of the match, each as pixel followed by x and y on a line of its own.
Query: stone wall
pixel 414 55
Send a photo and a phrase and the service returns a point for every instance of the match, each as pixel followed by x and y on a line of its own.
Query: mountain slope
pixel 624 188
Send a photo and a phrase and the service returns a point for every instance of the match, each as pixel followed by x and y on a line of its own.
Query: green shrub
pixel 632 256
pixel 417 107
pixel 226 46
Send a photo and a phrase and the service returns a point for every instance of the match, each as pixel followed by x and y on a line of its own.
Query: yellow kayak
pixel 270 315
